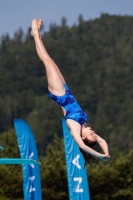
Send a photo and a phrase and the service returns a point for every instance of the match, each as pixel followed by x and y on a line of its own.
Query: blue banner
pixel 31 172
pixel 76 171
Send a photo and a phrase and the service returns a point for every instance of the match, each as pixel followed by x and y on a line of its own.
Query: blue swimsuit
pixel 69 103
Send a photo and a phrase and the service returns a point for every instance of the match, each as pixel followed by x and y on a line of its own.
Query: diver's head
pixel 90 139
pixel 88 135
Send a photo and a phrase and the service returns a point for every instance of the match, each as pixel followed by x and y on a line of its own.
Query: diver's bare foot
pixel 39 22
pixel 34 27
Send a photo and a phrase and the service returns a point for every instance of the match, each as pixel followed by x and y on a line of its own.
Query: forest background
pixel 95 57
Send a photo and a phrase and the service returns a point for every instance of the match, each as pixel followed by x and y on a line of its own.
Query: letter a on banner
pixel 76 171
pixel 31 172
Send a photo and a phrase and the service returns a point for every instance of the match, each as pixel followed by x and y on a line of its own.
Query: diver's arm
pixel 103 145
pixel 87 149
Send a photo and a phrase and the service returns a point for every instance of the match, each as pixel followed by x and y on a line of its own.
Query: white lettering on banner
pixel 32 177
pixel 31 188
pixel 30 156
pixel 79 179
pixel 75 161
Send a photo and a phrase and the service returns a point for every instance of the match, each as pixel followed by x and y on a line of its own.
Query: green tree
pixel 10 175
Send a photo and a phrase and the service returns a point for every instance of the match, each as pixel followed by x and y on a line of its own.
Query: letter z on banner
pixel 76 171
pixel 31 172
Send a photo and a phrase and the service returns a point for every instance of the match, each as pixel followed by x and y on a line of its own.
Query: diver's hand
pixel 104 157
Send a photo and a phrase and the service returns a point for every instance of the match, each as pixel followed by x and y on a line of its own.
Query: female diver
pixel 75 117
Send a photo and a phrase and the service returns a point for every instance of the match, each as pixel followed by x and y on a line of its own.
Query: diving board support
pixel 76 171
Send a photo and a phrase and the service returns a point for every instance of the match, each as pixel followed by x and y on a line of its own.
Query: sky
pixel 15 14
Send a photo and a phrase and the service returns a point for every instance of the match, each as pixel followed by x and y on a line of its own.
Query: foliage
pixel 10 175
pixel 112 180
pixel 95 57
pixel 53 172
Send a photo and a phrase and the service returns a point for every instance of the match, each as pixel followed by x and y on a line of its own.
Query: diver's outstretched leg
pixel 54 76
